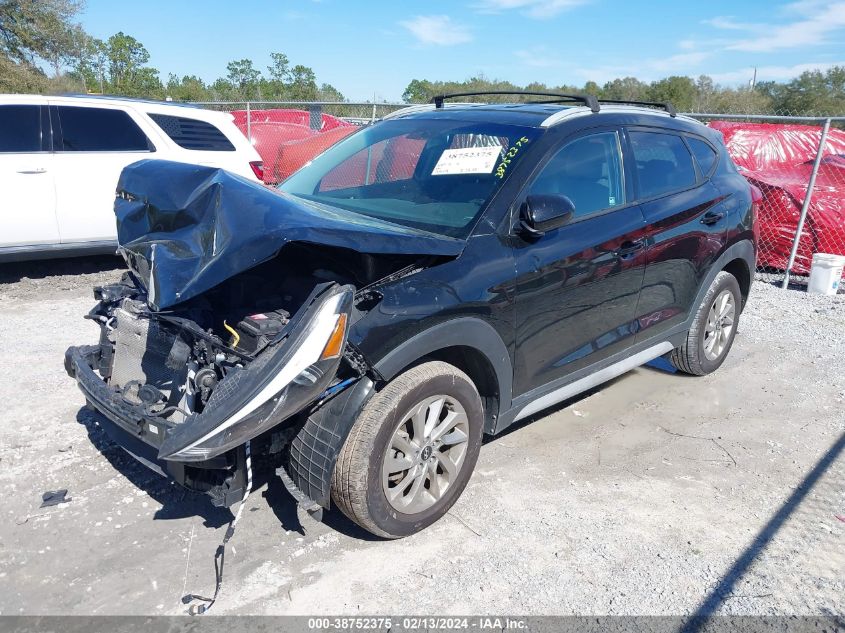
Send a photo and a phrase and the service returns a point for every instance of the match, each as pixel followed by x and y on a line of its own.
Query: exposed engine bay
pixel 172 361
pixel 232 323
pixel 198 379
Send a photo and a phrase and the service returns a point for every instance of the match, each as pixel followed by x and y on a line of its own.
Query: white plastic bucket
pixel 825 273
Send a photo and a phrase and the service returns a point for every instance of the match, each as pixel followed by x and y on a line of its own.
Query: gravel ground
pixel 656 494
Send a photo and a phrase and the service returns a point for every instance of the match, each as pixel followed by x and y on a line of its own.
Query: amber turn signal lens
pixel 334 346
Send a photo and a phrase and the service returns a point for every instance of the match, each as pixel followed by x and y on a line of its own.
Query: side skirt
pixel 570 386
pixel 53 251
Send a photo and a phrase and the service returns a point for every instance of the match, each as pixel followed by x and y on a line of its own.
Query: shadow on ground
pixel 729 581
pixel 13 272
pixel 176 502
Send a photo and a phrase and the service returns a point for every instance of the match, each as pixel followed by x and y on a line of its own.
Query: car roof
pixel 143 105
pixel 544 115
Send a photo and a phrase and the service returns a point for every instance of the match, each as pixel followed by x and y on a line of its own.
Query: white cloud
pixel 532 8
pixel 677 62
pixel 728 23
pixel 770 73
pixel 437 29
pixel 813 24
pixel 537 57
pixel 649 69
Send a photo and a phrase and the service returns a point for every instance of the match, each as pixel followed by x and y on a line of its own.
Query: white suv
pixel 60 159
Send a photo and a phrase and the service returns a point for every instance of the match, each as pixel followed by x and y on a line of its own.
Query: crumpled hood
pixel 183 229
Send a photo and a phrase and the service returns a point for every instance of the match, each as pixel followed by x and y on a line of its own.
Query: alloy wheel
pixel 425 454
pixel 720 325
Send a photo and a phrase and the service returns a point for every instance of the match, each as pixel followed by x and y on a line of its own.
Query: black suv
pixel 431 278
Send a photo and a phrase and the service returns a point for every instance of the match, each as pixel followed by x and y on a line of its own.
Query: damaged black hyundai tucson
pixel 431 278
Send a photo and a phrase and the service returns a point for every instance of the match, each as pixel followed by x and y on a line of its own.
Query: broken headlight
pixel 271 388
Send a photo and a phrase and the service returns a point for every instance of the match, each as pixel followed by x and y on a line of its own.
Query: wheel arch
pixel 471 345
pixel 740 256
pixel 739 269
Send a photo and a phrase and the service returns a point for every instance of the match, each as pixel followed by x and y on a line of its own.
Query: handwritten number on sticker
pixel 509 156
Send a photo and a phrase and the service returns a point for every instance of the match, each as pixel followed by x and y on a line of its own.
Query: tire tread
pixel 687 357
pixel 349 480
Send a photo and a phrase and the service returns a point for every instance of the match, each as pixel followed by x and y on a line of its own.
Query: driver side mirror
pixel 542 213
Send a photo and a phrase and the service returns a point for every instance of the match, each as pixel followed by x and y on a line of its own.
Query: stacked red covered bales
pixel 779 160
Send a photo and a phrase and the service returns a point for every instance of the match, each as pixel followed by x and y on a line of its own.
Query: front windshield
pixel 433 175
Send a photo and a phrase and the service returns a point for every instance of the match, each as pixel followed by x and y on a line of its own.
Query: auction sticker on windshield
pixel 467 160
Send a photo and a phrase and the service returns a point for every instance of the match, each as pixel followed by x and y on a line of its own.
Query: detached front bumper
pixel 141 435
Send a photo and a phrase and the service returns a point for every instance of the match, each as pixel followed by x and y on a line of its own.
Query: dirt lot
pixel 656 494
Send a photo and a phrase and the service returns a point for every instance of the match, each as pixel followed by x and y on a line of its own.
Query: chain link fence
pixel 797 163
pixel 287 134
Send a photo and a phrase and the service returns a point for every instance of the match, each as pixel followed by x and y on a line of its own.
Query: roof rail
pixel 588 100
pixel 105 97
pixel 665 105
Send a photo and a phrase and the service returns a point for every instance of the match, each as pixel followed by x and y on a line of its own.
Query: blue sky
pixel 377 47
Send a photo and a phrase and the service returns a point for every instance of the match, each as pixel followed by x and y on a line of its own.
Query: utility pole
pixel 754 79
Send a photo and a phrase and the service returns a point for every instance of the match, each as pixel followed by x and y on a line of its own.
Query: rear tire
pixel 713 331
pixel 392 476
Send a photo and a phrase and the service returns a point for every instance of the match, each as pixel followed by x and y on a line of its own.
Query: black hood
pixel 183 229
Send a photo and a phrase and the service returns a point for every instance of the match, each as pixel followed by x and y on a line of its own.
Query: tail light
pixel 258 169
pixel 756 200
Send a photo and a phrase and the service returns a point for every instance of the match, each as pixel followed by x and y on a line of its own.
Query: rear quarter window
pixel 663 162
pixel 704 154
pixel 193 134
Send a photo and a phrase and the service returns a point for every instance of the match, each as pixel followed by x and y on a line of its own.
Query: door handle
pixel 626 249
pixel 712 217
pixel 35 170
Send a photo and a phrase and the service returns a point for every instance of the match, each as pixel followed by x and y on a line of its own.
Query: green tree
pixel 418 91
pixel 32 31
pixel 330 93
pixel 813 92
pixel 679 91
pixel 91 62
pixel 303 84
pixel 244 78
pixel 126 58
pixel 188 88
pixel 625 89
pixel 280 68
pixel 592 88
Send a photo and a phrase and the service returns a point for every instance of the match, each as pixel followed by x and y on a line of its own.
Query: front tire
pixel 411 451
pixel 713 331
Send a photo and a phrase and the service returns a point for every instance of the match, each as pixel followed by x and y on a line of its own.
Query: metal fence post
pixel 806 206
pixel 315 117
pixel 248 123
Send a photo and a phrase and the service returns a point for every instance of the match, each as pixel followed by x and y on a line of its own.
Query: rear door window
pixel 20 128
pixel 98 130
pixel 193 134
pixel 663 163
pixel 704 154
pixel 588 171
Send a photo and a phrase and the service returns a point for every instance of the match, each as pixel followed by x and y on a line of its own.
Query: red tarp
pixel 779 160
pixel 285 140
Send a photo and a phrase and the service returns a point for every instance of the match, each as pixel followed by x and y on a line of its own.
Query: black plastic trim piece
pixel 459 332
pixel 314 449
pixel 588 100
